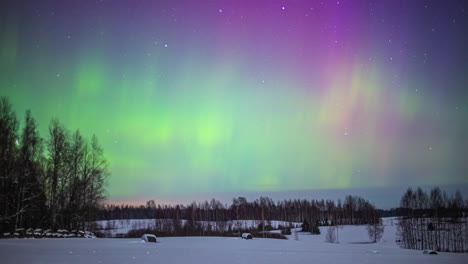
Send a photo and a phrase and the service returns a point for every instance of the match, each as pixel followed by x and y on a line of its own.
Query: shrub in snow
pixel 149 238
pixel 305 226
pixel 286 231
pixel 375 230
pixel 315 230
pixel 330 236
pixel 246 236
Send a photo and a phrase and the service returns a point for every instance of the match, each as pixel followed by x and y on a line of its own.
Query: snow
pixel 354 247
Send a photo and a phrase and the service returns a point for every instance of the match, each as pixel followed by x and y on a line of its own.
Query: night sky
pixel 193 97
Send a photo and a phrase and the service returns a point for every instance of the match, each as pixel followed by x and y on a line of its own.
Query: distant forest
pixel 353 210
pixel 212 218
pixel 53 182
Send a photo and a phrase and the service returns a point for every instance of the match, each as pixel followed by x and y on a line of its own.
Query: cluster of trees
pixel 433 221
pixel 354 210
pixel 55 182
pixel 312 228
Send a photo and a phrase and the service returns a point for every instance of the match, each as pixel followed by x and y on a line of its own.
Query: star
pixel 165 45
pixel 283 8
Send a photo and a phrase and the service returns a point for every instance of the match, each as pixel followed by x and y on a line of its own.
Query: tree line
pixel 53 182
pixel 353 210
pixel 433 221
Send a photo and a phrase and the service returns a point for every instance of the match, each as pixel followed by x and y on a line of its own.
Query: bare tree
pixel 330 236
pixel 57 147
pixel 30 198
pixel 8 150
pixel 375 230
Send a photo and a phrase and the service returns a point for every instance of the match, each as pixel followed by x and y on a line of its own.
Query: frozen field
pixel 353 248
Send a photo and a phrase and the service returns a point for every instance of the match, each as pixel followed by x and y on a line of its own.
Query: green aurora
pixel 216 104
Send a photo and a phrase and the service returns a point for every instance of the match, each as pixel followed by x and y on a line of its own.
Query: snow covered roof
pixel 149 238
pixel 246 236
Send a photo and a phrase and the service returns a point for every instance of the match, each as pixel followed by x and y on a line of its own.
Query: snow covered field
pixel 354 247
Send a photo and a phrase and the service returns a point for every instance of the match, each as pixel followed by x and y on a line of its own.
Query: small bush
pixel 315 230
pixel 305 226
pixel 330 236
pixel 286 231
pixel 268 227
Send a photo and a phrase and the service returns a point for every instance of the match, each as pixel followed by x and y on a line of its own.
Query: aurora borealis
pixel 192 97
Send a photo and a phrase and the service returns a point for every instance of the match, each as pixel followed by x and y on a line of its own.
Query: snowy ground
pixel 354 247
